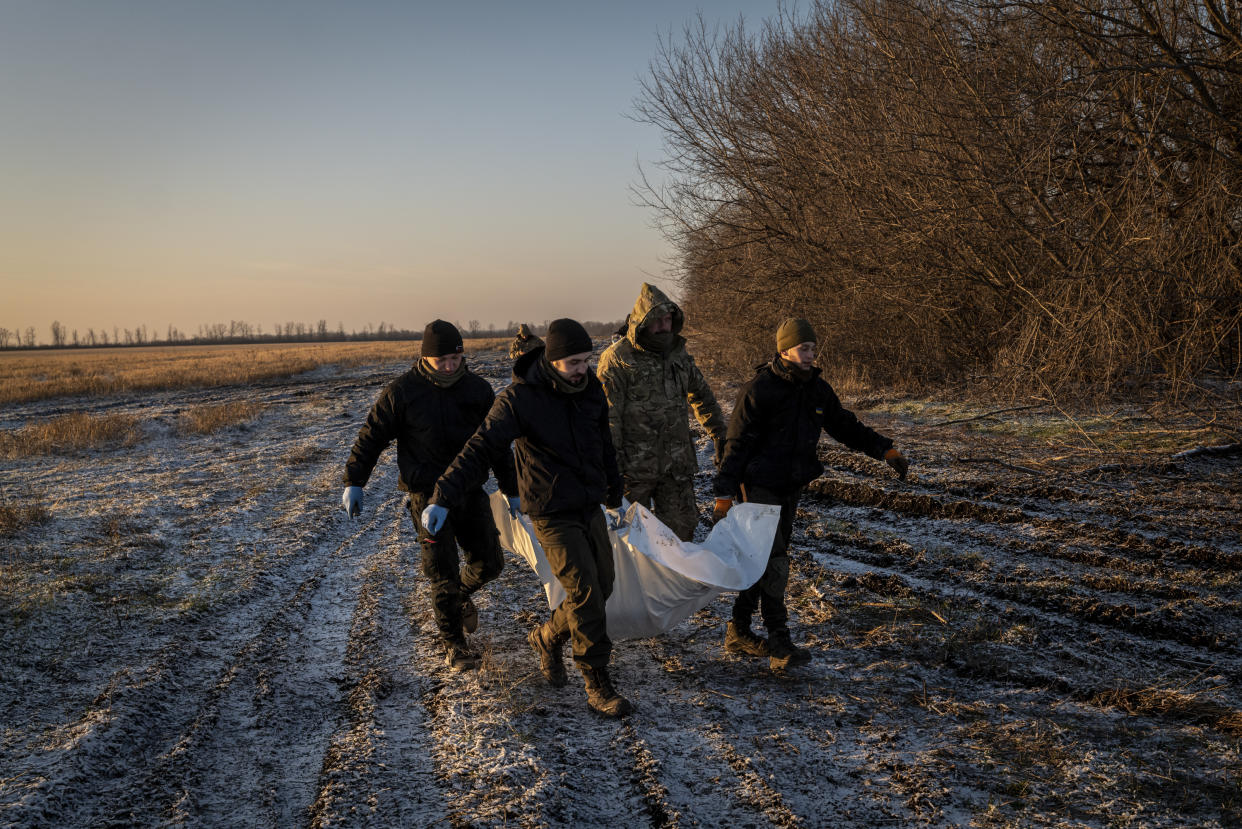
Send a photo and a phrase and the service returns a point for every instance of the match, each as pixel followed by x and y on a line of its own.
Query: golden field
pixel 36 375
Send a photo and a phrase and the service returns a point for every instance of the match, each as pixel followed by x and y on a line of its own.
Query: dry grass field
pixel 38 375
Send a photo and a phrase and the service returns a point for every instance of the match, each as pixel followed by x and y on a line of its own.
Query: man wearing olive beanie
pixel 555 415
pixel 769 456
pixel 431 411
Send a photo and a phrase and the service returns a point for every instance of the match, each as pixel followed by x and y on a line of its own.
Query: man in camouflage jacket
pixel 523 342
pixel 649 379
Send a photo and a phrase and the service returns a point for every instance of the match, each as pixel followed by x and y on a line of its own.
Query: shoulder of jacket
pixel 404 385
pixel 619 355
pixel 824 388
pixel 476 382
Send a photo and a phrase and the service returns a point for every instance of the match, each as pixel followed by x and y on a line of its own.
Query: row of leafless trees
pixel 1042 192
pixel 239 331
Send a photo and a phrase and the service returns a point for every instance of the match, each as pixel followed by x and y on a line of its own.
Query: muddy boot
pixel 784 653
pixel 740 640
pixel 458 655
pixel 469 614
pixel 601 696
pixel 549 650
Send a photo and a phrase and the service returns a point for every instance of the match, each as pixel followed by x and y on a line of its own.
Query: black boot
pixel 739 639
pixel 601 696
pixel 549 650
pixel 458 655
pixel 784 653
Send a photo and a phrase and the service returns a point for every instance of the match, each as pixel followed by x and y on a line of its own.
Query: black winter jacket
pixel 774 431
pixel 562 443
pixel 430 425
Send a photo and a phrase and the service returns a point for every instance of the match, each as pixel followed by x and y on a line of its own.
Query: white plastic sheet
pixel 660 579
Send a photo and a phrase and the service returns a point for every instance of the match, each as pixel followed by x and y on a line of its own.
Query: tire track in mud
pixel 1185 616
pixel 1157 548
pixel 747 790
pixel 377 768
pixel 147 719
pixel 756 744
pixel 973 661
pixel 1180 615
pixel 278 713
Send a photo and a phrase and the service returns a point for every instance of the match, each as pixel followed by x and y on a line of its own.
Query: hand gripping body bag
pixel 660 579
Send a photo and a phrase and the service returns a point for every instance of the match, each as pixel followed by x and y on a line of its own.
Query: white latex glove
pixel 515 506
pixel 351 500
pixel 614 517
pixel 433 518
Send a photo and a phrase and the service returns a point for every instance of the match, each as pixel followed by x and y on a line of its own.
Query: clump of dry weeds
pixel 16 514
pixel 71 432
pixel 203 420
pixel 1172 703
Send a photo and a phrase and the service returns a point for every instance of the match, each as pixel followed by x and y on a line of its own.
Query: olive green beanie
pixel 794 332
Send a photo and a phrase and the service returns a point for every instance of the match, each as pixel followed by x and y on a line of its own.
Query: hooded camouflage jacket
pixel 523 342
pixel 648 391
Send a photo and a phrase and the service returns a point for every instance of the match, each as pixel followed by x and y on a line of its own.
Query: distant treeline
pixel 237 332
pixel 1043 193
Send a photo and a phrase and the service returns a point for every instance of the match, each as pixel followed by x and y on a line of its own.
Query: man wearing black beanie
pixel 556 416
pixel 431 411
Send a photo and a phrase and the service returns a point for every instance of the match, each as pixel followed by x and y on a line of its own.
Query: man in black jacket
pixel 770 455
pixel 556 416
pixel 431 411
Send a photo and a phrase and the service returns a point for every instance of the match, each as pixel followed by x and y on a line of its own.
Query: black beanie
pixel 441 338
pixel 566 337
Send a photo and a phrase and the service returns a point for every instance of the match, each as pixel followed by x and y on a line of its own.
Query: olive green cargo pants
pixel 579 551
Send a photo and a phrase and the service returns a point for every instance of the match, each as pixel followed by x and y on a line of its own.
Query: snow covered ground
pixel 199 636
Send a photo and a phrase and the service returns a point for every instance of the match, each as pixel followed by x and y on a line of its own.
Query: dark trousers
pixel 470 527
pixel 768 594
pixel 580 554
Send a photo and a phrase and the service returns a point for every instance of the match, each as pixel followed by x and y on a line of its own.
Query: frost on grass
pixel 194 633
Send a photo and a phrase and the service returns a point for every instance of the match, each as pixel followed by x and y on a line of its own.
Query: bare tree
pixel 1047 192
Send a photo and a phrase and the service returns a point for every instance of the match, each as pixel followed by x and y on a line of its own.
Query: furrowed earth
pixel 192 632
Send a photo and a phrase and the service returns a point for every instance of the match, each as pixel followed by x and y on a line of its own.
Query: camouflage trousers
pixel 671 499
pixel 768 594
pixel 580 554
pixel 471 527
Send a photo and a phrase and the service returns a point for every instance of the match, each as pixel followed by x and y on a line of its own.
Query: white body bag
pixel 660 579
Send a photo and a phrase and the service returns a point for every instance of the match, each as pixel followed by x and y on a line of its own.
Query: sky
pixel 166 162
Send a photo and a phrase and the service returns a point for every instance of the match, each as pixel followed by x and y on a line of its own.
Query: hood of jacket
pixel 526 368
pixel 652 302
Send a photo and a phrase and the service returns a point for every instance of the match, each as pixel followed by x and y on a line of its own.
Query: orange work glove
pixel 723 505
pixel 898 462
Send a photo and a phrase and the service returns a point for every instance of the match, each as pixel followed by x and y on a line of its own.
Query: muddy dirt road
pixel 199 636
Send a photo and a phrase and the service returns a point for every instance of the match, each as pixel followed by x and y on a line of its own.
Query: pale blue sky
pixel 174 162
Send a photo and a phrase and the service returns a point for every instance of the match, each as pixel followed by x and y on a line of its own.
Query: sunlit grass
pixel 37 375
pixel 202 420
pixel 70 433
